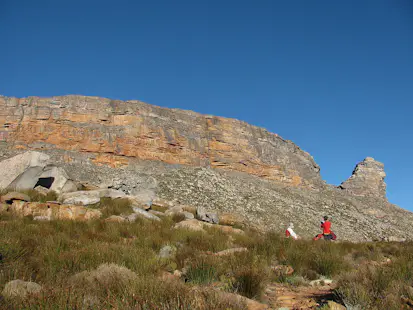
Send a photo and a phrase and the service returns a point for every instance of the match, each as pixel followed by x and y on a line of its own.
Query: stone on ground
pixel 167 251
pixel 53 211
pixel 90 197
pixel 174 210
pixel 203 215
pixel 144 197
pixel 159 202
pixel 335 306
pixel 20 289
pixel 25 170
pixel 188 215
pixel 106 275
pixel 230 219
pixel 115 219
pixel 139 213
pixel 193 225
pixel 228 252
pixel 9 197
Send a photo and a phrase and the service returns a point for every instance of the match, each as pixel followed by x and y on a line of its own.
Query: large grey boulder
pixel 203 215
pixel 62 182
pixel 22 171
pixel 25 171
pixel 144 197
pixel 140 213
pixel 90 197
pixel 20 289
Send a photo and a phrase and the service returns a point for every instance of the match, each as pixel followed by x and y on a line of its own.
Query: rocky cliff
pixel 367 179
pixel 118 130
pixel 221 164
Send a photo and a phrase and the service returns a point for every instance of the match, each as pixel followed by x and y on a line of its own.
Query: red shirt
pixel 326 227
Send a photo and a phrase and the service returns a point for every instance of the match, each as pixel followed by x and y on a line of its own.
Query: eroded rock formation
pixel 367 179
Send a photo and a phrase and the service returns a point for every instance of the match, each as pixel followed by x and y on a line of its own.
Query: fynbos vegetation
pixel 102 265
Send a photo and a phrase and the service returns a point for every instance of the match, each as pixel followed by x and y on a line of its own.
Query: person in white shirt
pixel 290 232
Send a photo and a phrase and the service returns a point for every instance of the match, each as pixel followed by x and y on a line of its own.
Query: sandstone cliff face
pixel 367 179
pixel 119 130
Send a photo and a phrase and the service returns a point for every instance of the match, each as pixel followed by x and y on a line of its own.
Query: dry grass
pixel 115 265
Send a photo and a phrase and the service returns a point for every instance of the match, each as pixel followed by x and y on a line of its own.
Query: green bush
pixel 202 271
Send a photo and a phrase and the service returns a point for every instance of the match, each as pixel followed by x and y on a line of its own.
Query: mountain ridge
pixel 134 146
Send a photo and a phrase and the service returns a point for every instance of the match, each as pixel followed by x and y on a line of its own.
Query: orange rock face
pixel 116 131
pixel 52 211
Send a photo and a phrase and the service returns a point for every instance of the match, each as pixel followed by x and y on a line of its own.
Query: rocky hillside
pixel 221 164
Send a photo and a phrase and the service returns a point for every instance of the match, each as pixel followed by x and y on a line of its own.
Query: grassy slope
pixel 50 253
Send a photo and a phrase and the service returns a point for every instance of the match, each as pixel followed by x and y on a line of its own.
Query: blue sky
pixel 335 77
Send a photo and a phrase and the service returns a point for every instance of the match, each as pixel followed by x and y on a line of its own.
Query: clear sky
pixel 335 77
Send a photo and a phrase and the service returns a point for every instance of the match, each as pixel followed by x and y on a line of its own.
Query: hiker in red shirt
pixel 327 233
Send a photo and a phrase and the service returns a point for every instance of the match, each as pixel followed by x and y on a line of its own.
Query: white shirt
pixel 292 233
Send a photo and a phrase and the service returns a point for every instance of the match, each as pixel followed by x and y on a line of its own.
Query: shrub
pixel 115 206
pixel 250 281
pixel 202 271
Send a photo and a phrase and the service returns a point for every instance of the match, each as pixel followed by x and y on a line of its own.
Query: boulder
pixel 332 305
pixel 224 229
pixel 242 301
pixel 228 252
pixel 157 213
pixel 196 225
pixel 42 190
pixel 61 182
pixel 90 197
pixel 144 197
pixel 106 276
pixel 321 282
pixel 20 289
pixel 203 215
pixel 137 204
pixel 174 210
pixel 22 171
pixel 53 211
pixel 188 215
pixel 29 169
pixel 141 214
pixel 115 219
pixel 396 239
pixel 231 219
pixel 367 179
pixel 10 197
pixel 159 202
pixel 193 225
pixel 188 208
pixel 41 218
pixel 167 252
